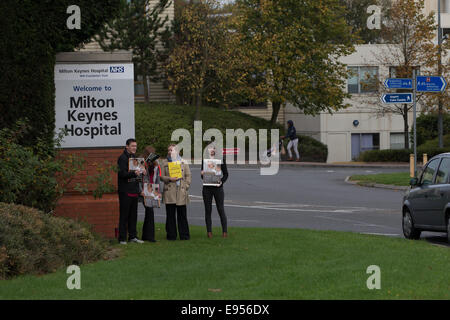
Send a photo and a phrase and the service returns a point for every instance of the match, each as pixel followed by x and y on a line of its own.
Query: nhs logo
pixel 116 69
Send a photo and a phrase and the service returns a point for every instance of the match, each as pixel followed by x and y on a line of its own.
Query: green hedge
pixel 435 143
pixel 32 242
pixel 399 155
pixel 155 123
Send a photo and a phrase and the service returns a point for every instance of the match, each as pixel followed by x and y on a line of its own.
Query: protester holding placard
pixel 128 185
pixel 150 191
pixel 214 173
pixel 176 175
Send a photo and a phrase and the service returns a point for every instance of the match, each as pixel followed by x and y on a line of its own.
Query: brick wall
pixel 103 213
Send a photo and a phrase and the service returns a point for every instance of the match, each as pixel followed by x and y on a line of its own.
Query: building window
pixel 363 142
pixel 397 140
pixel 362 79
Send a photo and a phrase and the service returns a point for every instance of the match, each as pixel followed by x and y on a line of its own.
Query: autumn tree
pixel 205 62
pixel 138 28
pixel 297 45
pixel 409 34
pixel 198 67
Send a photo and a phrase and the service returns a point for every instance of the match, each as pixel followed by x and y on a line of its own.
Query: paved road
pixel 310 198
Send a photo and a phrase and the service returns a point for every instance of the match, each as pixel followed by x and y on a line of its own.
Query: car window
pixel 428 173
pixel 443 172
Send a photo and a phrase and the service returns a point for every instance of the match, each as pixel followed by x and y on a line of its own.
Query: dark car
pixel 426 205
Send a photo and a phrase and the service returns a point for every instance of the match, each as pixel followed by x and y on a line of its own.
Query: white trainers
pixel 136 240
pixel 123 242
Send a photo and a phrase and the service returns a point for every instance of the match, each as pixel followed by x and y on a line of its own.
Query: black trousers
pixel 217 192
pixel 128 216
pixel 176 215
pixel 148 229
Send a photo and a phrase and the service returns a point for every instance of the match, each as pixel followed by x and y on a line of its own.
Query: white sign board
pixel 94 103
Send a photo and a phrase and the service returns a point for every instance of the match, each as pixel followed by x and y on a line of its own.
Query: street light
pixel 440 40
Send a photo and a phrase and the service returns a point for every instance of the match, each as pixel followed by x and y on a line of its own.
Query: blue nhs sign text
pixel 116 69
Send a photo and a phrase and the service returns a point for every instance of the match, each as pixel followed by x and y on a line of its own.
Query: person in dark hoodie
pixel 293 140
pixel 217 192
pixel 128 185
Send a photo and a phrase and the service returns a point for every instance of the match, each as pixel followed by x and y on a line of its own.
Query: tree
pixel 433 100
pixel 32 33
pixel 297 46
pixel 138 27
pixel 409 35
pixel 197 52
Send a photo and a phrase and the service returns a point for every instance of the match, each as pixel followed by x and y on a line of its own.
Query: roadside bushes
pixel 310 150
pixel 398 155
pixel 32 177
pixel 32 242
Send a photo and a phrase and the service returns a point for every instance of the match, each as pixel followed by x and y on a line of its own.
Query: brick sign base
pixel 102 213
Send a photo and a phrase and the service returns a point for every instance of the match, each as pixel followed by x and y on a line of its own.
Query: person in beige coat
pixel 176 196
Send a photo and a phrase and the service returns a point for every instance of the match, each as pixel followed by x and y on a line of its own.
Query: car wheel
pixel 409 231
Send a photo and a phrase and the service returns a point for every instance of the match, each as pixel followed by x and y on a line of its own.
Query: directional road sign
pixel 431 84
pixel 397 98
pixel 398 83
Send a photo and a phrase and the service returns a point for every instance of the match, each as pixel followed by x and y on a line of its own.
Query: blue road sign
pixel 398 83
pixel 431 84
pixel 397 98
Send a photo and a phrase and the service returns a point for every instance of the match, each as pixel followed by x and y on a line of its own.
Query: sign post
pixel 418 84
pixel 94 104
pixel 414 122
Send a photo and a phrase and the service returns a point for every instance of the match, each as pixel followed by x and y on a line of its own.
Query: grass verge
pixel 395 179
pixel 254 263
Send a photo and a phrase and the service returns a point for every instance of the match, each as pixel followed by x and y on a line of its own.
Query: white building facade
pixel 362 126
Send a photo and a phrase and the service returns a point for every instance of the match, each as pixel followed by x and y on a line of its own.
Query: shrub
pixel 388 155
pixel 398 155
pixel 310 149
pixel 435 143
pixel 32 242
pixel 32 177
pixel 156 121
pixel 427 127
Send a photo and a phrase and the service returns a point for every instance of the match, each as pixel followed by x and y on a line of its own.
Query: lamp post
pixel 440 121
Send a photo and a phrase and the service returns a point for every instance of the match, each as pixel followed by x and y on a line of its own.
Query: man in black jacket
pixel 128 185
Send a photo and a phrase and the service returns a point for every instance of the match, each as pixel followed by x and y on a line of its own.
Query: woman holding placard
pixel 214 173
pixel 176 175
pixel 150 179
